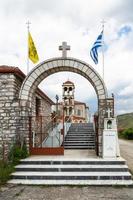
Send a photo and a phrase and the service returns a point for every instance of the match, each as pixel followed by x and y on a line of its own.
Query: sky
pixel 78 23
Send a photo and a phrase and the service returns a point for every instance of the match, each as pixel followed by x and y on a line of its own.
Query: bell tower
pixel 68 98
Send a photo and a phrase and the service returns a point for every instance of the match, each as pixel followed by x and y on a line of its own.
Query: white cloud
pixel 67 20
pixel 127 91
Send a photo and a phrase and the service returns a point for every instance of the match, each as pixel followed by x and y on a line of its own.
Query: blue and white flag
pixel 94 51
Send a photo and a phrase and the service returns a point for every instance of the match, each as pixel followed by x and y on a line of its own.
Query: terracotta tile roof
pixel 14 70
pixel 20 74
pixel 68 82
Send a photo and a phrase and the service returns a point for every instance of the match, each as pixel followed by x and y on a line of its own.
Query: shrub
pixel 120 132
pixel 17 153
pixel 5 170
pixel 128 134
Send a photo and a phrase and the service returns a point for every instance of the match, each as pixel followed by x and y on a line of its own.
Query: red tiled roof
pixel 14 70
pixel 68 82
pixel 20 74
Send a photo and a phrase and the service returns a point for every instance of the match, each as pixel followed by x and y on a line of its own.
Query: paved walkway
pixel 126 149
pixel 19 192
pixel 65 193
pixel 76 154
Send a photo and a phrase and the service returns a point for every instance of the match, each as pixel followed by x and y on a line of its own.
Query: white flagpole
pixel 103 22
pixel 28 29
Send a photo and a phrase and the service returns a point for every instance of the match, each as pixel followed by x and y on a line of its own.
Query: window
pixel 109 124
pixel 70 110
pixel 79 112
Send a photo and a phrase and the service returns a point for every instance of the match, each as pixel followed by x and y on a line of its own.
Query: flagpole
pixel 103 22
pixel 28 30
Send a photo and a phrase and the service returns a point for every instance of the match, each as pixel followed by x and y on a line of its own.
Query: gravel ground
pixel 20 192
pixel 62 193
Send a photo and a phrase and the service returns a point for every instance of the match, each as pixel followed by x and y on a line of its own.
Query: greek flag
pixel 94 51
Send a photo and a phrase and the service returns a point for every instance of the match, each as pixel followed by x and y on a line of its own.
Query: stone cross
pixel 64 47
pixel 109 111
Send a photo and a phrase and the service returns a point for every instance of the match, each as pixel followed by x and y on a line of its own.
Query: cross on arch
pixel 64 47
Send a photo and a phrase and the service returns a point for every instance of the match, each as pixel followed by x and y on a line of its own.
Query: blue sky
pixel 125 30
pixel 79 23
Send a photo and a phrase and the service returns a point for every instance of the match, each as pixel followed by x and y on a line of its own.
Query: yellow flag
pixel 32 50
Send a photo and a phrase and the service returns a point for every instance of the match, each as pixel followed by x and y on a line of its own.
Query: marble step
pixel 80 135
pixel 74 168
pixel 50 161
pixel 80 131
pixel 79 147
pixel 71 175
pixel 72 182
pixel 72 133
pixel 78 142
pixel 63 171
pixel 78 139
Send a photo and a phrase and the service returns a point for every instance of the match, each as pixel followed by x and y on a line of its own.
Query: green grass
pixel 5 170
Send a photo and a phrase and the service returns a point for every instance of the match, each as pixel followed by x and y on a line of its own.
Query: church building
pixel 11 116
pixel 72 110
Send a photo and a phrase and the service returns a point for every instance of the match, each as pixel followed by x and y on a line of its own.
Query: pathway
pixel 126 148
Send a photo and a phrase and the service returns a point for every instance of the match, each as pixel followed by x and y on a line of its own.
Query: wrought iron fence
pixel 45 131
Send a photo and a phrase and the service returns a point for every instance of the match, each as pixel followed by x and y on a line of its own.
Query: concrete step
pixel 79 141
pixel 45 161
pixel 72 182
pixel 71 172
pixel 74 168
pixel 78 144
pixel 78 147
pixel 72 175
pixel 84 131
pixel 82 136
pixel 79 135
pixel 74 132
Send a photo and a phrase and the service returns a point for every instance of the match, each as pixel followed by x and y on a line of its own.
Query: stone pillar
pixel 103 105
pixel 25 114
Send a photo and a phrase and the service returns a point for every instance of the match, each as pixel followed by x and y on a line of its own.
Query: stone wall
pixel 14 117
pixel 9 109
pixel 103 105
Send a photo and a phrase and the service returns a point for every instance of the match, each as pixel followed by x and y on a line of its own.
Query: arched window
pixel 65 89
pixel 109 124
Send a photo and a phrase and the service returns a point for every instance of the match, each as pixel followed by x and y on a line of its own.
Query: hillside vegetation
pixel 125 121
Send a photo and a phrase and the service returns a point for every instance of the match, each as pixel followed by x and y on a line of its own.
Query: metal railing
pixel 43 127
pixel 67 125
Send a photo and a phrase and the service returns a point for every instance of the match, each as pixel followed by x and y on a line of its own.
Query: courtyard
pixel 24 192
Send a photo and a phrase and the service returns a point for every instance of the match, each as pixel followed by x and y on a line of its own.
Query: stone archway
pixel 54 65
pixel 48 67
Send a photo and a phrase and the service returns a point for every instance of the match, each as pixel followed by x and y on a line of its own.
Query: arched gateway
pixel 70 170
pixel 54 65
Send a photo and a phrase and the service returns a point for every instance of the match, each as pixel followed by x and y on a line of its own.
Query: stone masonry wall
pixel 14 117
pixel 104 104
pixel 9 110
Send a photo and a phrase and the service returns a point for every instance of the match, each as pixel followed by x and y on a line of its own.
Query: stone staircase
pixel 80 136
pixel 64 171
